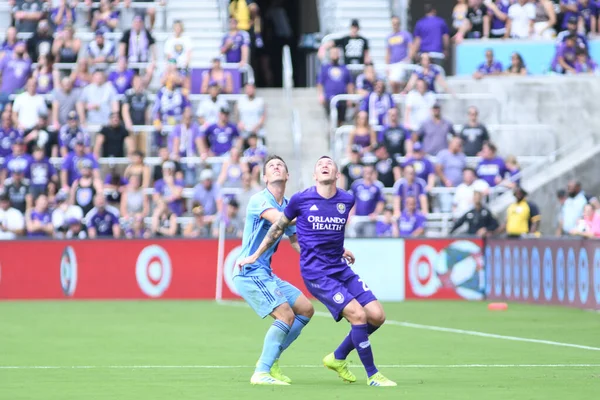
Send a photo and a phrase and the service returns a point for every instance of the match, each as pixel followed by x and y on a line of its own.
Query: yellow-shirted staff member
pixel 522 217
pixel 239 10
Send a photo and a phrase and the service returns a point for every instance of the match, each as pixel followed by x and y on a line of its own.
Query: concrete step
pixel 364 4
pixel 361 13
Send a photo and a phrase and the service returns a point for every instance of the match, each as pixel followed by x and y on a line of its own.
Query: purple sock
pixel 360 338
pixel 347 346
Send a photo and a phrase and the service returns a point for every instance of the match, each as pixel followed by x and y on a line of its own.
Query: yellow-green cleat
pixel 277 374
pixel 379 380
pixel 264 378
pixel 339 366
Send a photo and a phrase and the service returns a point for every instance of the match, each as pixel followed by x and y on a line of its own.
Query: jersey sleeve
pixel 292 210
pixel 258 205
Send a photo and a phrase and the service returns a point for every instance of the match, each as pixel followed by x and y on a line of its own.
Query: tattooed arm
pixel 294 242
pixel 274 233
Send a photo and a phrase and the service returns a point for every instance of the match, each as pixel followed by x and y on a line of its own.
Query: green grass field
pixel 165 350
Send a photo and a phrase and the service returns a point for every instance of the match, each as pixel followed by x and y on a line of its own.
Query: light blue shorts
pixel 265 292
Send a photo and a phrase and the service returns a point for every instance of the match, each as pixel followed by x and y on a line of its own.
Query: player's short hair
pixel 271 158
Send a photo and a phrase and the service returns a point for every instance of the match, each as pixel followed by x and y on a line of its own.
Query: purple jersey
pixel 428 76
pixel 569 14
pixel 170 105
pixel 40 173
pixel 103 21
pixel 44 217
pixel 239 39
pixel 20 163
pixel 334 79
pixel 398 44
pixel 488 170
pixel 367 196
pixel 259 152
pixel 45 83
pixel 587 67
pixel 362 83
pixel 15 73
pixel 383 229
pixel 377 107
pixel 408 223
pixel 7 138
pixel 587 13
pixel 486 69
pixel 187 140
pixel 405 189
pixel 431 30
pixel 423 167
pixel 67 137
pixel 221 138
pixel 121 80
pixel 497 26
pixel 103 220
pixel 108 180
pixel 72 164
pixel 569 54
pixel 66 11
pixel 163 189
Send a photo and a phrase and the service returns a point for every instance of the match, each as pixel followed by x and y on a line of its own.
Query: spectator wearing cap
pixel 584 64
pixel 463 195
pixel 41 174
pixel 28 107
pixel 474 134
pixel 164 221
pixel 106 18
pixel 71 132
pixel 418 104
pixel 423 167
pixel 12 222
pixel 522 217
pixel 234 225
pixel 75 229
pixel 235 45
pixel 18 160
pixel 216 74
pixel 101 50
pixel 208 194
pixel 122 77
pixel 170 105
pixel 169 189
pixel 388 169
pixel 64 102
pixel 137 43
pixel 572 209
pixel 63 13
pixel 8 135
pixel 432 35
pixel 251 113
pixel 491 168
pixel 354 46
pixel 387 226
pixel 15 69
pixel 410 186
pixel 73 163
pixel 429 73
pixel 399 53
pixel 179 47
pixel 28 13
pixel 186 140
pixel 377 103
pixel 412 221
pixel 18 189
pixel 222 136
pixel 362 134
pixel 395 138
pixel 572 29
pixel 63 211
pixel 113 139
pixel 103 220
pixel 84 189
pixel 41 42
pixel 197 228
pixel 208 109
pixel 480 220
pixel 353 169
pixel 565 56
pixel 370 202
pixel 521 17
pixel 490 67
pixel 38 220
pixel 434 132
pixel 98 100
pixel 334 79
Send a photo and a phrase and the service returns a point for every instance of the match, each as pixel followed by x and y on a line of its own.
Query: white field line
pixel 451 330
pixel 399 366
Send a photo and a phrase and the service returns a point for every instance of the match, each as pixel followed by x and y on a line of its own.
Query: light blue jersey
pixel 256 229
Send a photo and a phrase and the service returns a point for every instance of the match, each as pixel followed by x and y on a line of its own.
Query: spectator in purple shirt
pixel 572 29
pixel 411 222
pixel 236 44
pixel 377 103
pixel 387 226
pixel 569 9
pixel 186 140
pixel 410 186
pixel 102 220
pixel 223 135
pixel 122 78
pixel 450 163
pixel 71 166
pixel 491 168
pixel 566 55
pixel 62 15
pixel 10 41
pixel 8 134
pixel 106 18
pixel 429 73
pixel 15 69
pixel 584 64
pixel 41 173
pixel 432 35
pixel 334 79
pixel 434 132
pixel 424 168
pixel 38 220
pixel 588 16
pixel 369 202
pixel 498 12
pixel 71 132
pixel 170 105
pixel 169 189
pixel 365 82
pixel 399 53
pixel 490 67
pixel 17 160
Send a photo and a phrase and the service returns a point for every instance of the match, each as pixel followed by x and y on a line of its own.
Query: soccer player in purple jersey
pixel 321 213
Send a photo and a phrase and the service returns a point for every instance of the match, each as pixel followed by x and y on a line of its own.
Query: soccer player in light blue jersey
pixel 260 287
pixel 321 213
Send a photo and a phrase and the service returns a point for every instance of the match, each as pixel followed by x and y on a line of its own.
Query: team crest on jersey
pixel 338 298
pixel 341 207
pixel 278 293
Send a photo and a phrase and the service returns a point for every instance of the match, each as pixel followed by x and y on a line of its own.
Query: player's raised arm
pixel 274 233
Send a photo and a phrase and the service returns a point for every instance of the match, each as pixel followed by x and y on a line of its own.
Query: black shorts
pixel 341 109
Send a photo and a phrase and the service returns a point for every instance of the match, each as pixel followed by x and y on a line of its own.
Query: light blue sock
pixel 273 344
pixel 299 323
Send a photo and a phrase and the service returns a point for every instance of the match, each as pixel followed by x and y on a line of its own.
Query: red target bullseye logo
pixel 153 271
pixel 421 273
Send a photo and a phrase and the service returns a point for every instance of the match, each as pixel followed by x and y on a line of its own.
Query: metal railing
pixel 296 127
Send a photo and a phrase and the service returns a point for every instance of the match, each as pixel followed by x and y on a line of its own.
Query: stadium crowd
pixel 74 120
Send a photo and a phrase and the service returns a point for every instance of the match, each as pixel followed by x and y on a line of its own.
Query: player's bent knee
pixel 303 307
pixel 375 314
pixel 284 313
pixel 355 314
